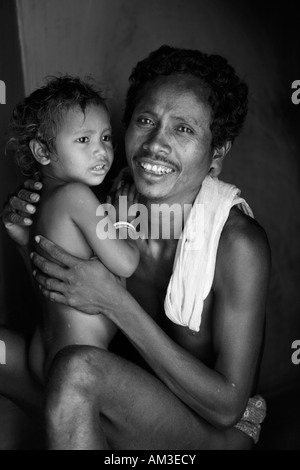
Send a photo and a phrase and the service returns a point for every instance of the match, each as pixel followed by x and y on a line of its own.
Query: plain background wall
pixel 106 38
pixel 15 293
pixel 16 301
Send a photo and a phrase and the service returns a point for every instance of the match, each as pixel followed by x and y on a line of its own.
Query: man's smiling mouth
pixel 155 168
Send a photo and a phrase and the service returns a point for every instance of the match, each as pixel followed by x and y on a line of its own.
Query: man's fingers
pixel 14 218
pixel 19 205
pixel 54 296
pixel 34 185
pixel 49 283
pixel 49 268
pixel 28 196
pixel 56 252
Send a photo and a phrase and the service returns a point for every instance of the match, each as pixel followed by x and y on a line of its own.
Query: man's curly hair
pixel 39 117
pixel 228 94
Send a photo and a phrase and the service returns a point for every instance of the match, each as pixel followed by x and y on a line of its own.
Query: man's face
pixel 168 141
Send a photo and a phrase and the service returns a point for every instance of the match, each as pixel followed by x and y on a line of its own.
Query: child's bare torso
pixel 61 325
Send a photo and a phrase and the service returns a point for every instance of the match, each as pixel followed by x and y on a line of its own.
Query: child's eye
pixel 83 140
pixel 107 138
pixel 185 129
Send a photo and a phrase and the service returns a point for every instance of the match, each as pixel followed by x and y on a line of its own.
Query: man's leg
pixel 16 381
pixel 97 400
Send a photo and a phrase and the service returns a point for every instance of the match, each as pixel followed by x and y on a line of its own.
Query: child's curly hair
pixel 228 94
pixel 39 116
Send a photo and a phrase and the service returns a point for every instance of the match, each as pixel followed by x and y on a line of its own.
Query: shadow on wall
pixel 16 300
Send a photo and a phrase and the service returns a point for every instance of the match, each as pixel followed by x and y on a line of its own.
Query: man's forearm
pixel 204 390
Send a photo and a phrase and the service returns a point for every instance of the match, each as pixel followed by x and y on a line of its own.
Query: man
pixel 183 112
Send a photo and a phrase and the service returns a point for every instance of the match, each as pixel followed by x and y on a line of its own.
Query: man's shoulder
pixel 242 229
pixel 243 242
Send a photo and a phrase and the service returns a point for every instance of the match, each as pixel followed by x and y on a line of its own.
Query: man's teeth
pixel 158 169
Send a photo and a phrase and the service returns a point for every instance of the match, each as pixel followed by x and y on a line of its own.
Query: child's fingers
pixel 119 190
pixel 108 199
pixel 132 194
pixel 125 189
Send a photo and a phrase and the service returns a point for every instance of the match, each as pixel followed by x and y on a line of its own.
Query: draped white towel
pixel 195 258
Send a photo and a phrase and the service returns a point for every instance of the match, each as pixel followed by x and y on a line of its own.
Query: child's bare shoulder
pixel 69 199
pixel 74 189
pixel 74 194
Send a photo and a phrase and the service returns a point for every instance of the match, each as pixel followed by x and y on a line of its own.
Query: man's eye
pixel 145 122
pixel 83 140
pixel 107 138
pixel 185 129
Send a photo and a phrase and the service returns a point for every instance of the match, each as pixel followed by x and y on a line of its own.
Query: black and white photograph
pixel 150 223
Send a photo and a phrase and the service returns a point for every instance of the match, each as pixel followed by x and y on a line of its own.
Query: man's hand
pixel 86 285
pixel 17 213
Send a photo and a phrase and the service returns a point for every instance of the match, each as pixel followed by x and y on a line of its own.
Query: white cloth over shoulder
pixel 195 258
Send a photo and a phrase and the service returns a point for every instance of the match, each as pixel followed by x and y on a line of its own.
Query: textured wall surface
pixel 106 38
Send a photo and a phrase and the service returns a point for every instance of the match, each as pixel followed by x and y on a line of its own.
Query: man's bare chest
pixel 149 285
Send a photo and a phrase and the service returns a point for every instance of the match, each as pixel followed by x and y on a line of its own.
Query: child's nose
pixel 100 149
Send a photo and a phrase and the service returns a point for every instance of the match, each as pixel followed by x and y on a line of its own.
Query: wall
pixel 106 38
pixel 15 294
pixel 16 306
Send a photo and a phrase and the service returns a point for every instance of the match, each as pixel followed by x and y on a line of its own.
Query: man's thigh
pixel 137 411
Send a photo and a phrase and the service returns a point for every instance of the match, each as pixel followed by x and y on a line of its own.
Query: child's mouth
pixel 99 169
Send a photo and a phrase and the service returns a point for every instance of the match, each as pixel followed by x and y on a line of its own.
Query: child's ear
pixel 39 152
pixel 218 158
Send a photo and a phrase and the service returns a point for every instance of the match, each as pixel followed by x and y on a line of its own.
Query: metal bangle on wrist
pixel 123 224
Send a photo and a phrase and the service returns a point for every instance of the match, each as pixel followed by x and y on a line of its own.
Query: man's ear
pixel 39 152
pixel 218 158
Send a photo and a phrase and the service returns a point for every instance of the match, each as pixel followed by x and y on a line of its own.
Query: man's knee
pixel 72 380
pixel 76 367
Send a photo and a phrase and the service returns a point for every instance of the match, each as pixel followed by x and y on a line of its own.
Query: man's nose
pixel 158 141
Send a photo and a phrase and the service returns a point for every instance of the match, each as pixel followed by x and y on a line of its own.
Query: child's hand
pixel 18 211
pixel 128 190
pixel 124 186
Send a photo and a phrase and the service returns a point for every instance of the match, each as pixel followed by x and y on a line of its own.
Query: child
pixel 62 134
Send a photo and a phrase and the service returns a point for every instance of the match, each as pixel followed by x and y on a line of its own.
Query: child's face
pixel 83 146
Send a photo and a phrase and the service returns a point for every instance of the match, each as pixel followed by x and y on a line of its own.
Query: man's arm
pixel 217 394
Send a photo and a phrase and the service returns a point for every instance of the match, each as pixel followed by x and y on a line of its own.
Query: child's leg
pixel 16 381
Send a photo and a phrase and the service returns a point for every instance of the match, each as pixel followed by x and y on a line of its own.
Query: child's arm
pixel 121 257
